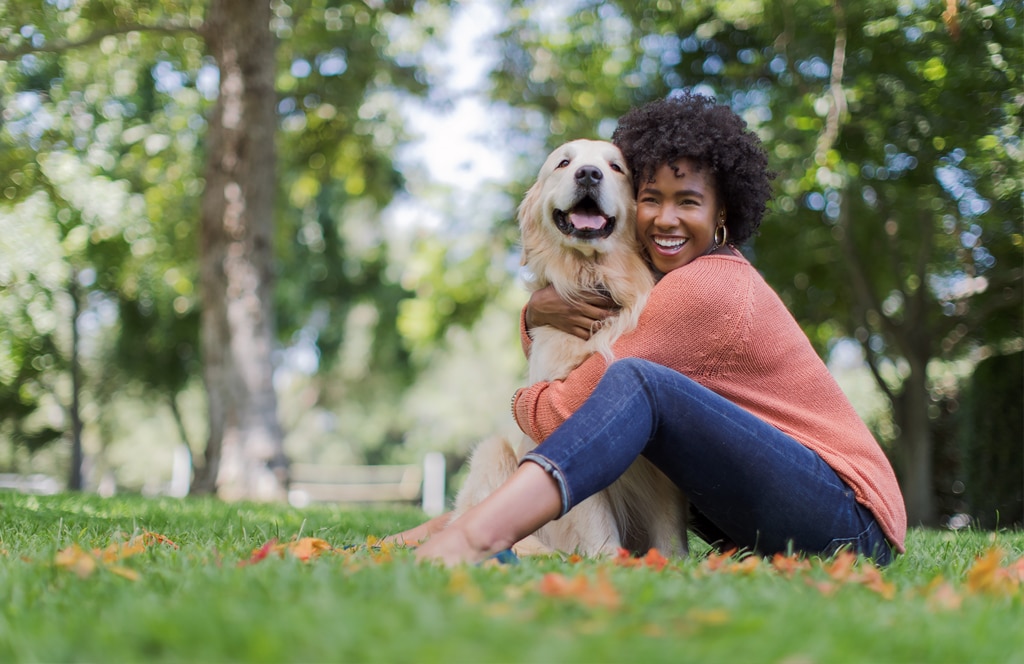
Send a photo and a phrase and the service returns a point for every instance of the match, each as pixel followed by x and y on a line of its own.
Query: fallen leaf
pixel 655 560
pixel 119 551
pixel 77 560
pixel 708 616
pixel 623 558
pixel 789 565
pixel 871 578
pixel 597 593
pixel 716 561
pixel 1016 570
pixel 124 572
pixel 987 575
pixel 150 538
pixel 259 554
pixel 308 547
pixel 841 567
pixel 460 583
pixel 941 595
pixel 826 588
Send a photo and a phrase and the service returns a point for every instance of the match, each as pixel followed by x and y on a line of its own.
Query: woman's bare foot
pixel 524 503
pixel 416 535
pixel 454 546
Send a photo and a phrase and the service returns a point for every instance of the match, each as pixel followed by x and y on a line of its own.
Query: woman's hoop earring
pixel 725 235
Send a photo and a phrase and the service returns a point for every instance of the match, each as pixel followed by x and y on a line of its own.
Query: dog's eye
pixel 563 164
pixel 615 167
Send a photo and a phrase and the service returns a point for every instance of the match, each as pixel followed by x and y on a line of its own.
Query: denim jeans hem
pixel 871 542
pixel 556 474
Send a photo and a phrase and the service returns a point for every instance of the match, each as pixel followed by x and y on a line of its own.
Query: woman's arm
pixel 687 320
pixel 578 318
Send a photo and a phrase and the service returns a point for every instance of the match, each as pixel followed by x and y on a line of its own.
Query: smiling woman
pixel 717 385
pixel 678 213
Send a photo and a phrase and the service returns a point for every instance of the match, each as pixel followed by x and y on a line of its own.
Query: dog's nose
pixel 588 175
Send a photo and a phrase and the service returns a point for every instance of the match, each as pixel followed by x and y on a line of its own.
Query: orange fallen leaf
pixel 308 547
pixel 119 550
pixel 826 588
pixel 1016 570
pixel 789 565
pixel 716 561
pixel 124 572
pixel 259 554
pixel 652 559
pixel 841 567
pixel 598 593
pixel 871 578
pixel 77 560
pixel 151 538
pixel 655 560
pixel 941 595
pixel 987 575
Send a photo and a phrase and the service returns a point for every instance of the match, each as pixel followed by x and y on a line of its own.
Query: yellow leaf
pixel 75 559
pixel 129 574
pixel 708 616
pixel 984 576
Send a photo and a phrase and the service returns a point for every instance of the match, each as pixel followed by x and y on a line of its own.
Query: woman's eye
pixel 563 164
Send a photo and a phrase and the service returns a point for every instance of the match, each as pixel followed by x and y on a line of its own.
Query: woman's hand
pixel 580 319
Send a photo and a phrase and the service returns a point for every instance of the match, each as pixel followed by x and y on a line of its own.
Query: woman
pixel 717 386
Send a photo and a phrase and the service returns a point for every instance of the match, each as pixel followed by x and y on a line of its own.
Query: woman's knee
pixel 630 368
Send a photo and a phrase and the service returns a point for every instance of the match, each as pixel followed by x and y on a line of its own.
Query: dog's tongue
pixel 582 221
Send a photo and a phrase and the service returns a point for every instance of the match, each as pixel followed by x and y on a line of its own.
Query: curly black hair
pixel 695 127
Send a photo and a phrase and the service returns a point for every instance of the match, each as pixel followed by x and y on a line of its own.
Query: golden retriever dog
pixel 578 230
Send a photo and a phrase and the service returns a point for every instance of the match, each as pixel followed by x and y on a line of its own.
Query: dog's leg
pixel 588 529
pixel 650 510
pixel 493 461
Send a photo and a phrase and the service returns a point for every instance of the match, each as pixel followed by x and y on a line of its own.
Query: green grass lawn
pixel 201 602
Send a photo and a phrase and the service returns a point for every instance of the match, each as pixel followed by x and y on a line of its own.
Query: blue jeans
pixel 749 484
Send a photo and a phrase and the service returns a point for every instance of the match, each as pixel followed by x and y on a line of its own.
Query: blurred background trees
pixel 383 318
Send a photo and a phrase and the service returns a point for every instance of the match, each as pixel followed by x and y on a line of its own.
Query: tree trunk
pixel 75 482
pixel 244 454
pixel 915 460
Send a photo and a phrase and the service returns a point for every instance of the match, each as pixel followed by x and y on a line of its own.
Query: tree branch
pixel 837 97
pixel 62 45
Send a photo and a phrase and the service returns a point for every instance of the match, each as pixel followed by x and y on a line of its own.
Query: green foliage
pixel 120 90
pixel 991 420
pixel 195 603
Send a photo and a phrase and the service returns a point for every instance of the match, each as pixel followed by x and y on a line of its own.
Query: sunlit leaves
pixel 590 592
pixel 83 563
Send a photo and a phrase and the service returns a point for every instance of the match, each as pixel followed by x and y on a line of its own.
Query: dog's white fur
pixel 642 509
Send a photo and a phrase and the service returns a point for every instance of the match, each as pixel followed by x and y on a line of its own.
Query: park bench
pixel 36 483
pixel 379 484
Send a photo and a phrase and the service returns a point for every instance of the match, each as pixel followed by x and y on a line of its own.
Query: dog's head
pixel 582 199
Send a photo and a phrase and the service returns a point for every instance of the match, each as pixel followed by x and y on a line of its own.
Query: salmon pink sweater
pixel 717 321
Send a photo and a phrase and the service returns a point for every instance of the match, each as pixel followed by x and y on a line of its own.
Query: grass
pixel 195 603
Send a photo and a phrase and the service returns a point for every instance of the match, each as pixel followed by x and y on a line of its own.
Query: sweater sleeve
pixel 691 316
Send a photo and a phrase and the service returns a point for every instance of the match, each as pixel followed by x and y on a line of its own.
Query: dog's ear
pixel 528 215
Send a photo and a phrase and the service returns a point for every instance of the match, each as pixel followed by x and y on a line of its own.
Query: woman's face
pixel 677 213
